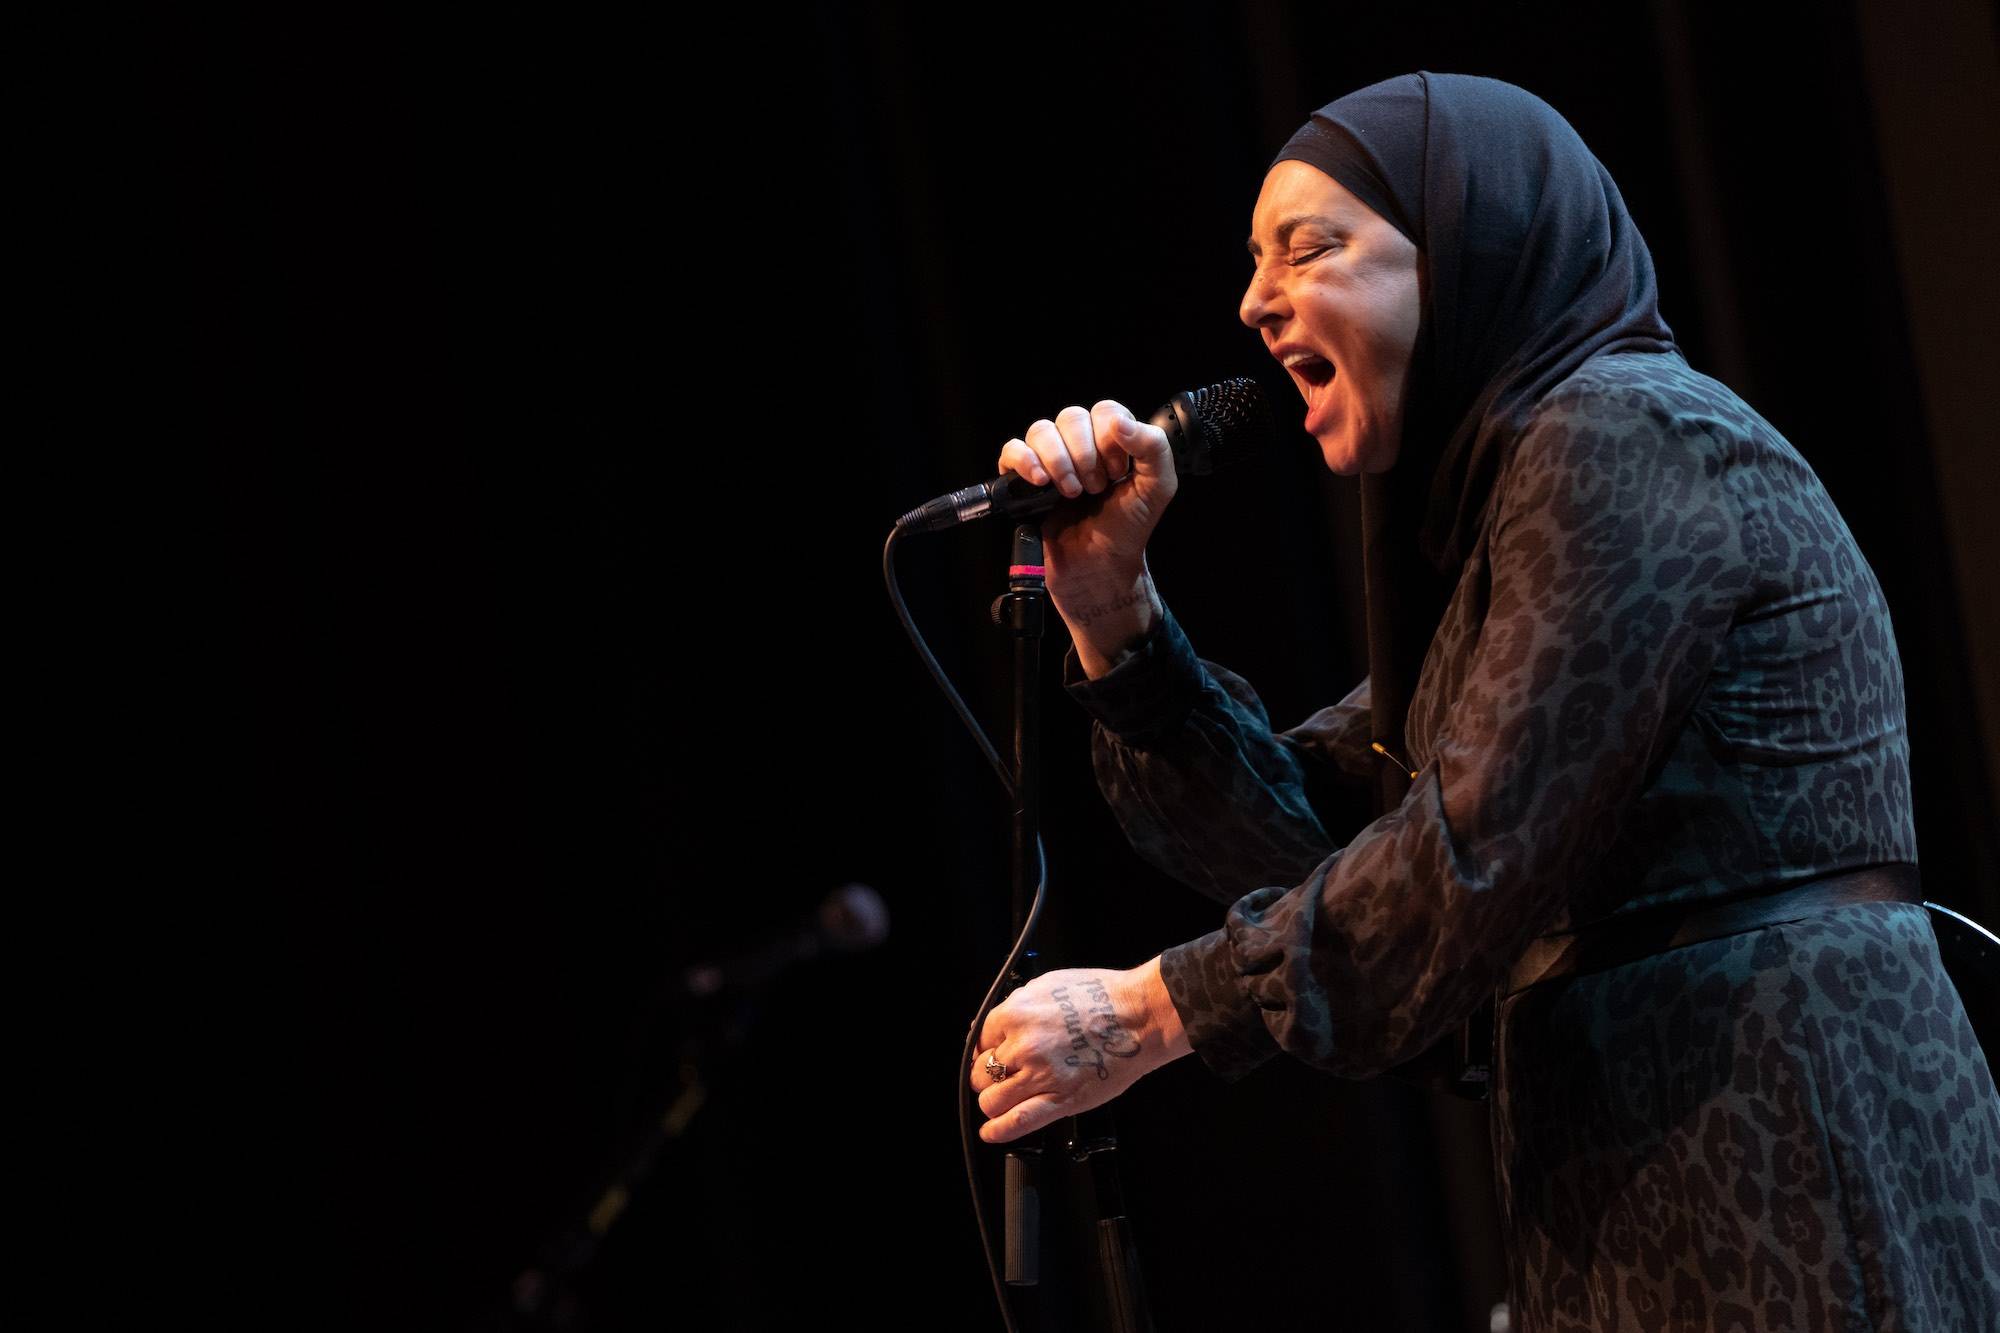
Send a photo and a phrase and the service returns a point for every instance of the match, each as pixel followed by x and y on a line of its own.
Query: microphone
pixel 849 919
pixel 1208 429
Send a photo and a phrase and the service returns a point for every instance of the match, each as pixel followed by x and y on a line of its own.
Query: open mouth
pixel 1313 374
pixel 1315 371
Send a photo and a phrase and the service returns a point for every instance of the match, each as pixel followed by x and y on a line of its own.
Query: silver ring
pixel 994 1069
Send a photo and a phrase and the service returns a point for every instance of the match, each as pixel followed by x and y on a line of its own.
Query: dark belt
pixel 1634 935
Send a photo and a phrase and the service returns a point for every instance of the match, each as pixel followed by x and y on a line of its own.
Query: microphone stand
pixel 1023 611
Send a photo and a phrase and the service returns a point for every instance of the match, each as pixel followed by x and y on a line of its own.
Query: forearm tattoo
pixel 1083 617
pixel 1095 1030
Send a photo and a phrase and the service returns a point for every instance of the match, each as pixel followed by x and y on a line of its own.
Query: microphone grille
pixel 854 917
pixel 1232 422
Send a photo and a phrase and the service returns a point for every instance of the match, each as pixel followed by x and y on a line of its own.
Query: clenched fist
pixel 1096 553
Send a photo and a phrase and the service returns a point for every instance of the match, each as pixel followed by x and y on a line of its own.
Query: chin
pixel 1350 458
pixel 1344 459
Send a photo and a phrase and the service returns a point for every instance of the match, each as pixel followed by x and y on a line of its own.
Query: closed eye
pixel 1309 255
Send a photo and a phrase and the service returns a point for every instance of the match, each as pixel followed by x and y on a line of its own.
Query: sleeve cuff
pixel 1224 1027
pixel 1148 693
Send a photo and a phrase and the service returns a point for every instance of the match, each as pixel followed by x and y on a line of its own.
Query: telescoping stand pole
pixel 1022 611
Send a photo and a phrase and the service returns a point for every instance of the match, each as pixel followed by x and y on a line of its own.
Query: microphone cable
pixel 962 1092
pixel 1208 428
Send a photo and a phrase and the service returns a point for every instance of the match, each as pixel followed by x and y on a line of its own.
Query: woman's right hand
pixel 1095 552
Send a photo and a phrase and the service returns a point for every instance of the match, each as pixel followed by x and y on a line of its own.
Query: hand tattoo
pixel 1094 1030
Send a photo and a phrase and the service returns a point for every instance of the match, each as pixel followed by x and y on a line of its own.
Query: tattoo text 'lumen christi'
pixel 1084 616
pixel 1094 1031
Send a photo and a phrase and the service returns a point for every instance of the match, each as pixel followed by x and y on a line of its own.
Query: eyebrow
pixel 1289 225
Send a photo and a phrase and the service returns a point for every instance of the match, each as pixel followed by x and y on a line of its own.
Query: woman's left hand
pixel 1070 1040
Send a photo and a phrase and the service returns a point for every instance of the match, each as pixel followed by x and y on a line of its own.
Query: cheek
pixel 1387 312
pixel 1388 364
pixel 1408 319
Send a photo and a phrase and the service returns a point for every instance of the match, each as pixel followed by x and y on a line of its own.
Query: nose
pixel 1261 300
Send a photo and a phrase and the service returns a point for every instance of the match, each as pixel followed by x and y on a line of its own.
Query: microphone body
pixel 1206 429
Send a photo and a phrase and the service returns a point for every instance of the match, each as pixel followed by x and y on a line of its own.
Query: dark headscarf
pixel 1531 265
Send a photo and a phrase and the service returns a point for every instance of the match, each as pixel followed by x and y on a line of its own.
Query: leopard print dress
pixel 1666 675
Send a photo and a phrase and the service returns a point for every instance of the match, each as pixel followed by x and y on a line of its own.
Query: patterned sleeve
pixel 1201 785
pixel 1616 567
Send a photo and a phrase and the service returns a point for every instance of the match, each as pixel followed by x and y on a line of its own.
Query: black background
pixel 557 380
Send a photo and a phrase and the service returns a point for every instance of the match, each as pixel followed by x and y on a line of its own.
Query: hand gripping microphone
pixel 1208 429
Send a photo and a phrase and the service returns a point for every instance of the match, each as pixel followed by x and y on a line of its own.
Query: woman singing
pixel 1646 775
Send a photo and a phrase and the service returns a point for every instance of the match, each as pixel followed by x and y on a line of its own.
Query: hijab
pixel 1531 267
